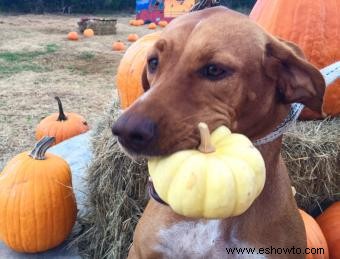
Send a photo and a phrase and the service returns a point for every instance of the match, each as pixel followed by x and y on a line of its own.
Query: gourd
pixel 61 125
pixel 315 237
pixel 315 27
pixel 38 207
pixel 329 222
pixel 130 69
pixel 221 179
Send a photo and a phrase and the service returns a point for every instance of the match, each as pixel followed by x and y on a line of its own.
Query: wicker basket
pixel 100 26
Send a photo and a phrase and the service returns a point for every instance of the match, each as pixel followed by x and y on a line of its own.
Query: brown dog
pixel 217 66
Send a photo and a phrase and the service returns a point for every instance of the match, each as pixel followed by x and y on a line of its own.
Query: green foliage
pixel 19 61
pixel 77 6
pixel 87 55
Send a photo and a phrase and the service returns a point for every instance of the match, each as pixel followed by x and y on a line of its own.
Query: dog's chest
pixel 199 239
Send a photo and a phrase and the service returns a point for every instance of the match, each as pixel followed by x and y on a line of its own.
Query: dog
pixel 217 66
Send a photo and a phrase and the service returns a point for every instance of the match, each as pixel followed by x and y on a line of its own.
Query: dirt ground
pixel 37 63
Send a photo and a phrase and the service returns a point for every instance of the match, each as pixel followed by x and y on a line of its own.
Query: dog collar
pixel 153 194
pixel 330 74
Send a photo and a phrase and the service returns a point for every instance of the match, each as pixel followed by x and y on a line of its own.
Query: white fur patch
pixel 189 239
pixel 199 239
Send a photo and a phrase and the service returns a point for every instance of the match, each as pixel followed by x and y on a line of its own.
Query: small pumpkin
pixel 152 26
pixel 140 22
pixel 131 22
pixel 136 23
pixel 132 37
pixel 315 237
pixel 130 69
pixel 221 179
pixel 118 46
pixel 38 207
pixel 88 33
pixel 314 26
pixel 61 125
pixel 163 23
pixel 72 35
pixel 329 222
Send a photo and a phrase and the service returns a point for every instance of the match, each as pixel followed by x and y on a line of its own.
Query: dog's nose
pixel 134 132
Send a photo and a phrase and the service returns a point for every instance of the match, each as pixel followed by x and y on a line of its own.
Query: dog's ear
pixel 296 79
pixel 145 81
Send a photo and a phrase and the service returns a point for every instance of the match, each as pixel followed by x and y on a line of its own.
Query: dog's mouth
pixel 153 150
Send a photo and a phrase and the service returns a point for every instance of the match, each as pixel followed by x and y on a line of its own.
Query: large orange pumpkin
pixel 129 75
pixel 329 222
pixel 315 238
pixel 38 207
pixel 315 27
pixel 61 125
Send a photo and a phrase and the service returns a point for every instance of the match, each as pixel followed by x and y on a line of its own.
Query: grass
pixel 87 55
pixel 19 61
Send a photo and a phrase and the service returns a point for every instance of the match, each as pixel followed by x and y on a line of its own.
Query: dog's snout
pixel 134 132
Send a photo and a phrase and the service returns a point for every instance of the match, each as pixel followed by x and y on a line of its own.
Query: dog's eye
pixel 213 72
pixel 153 64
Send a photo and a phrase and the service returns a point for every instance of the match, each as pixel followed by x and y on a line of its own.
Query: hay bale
pixel 100 26
pixel 117 185
pixel 116 199
pixel 311 151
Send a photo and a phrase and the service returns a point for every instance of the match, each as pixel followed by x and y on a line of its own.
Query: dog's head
pixel 218 67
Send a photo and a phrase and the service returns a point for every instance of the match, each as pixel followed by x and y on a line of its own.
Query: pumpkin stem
pixel 205 146
pixel 62 116
pixel 40 148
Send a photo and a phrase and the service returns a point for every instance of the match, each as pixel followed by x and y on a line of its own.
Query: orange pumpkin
pixel 315 238
pixel 329 222
pixel 132 37
pixel 130 69
pixel 118 46
pixel 131 22
pixel 88 33
pixel 38 207
pixel 61 125
pixel 136 23
pixel 72 35
pixel 315 27
pixel 152 26
pixel 163 23
pixel 140 22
